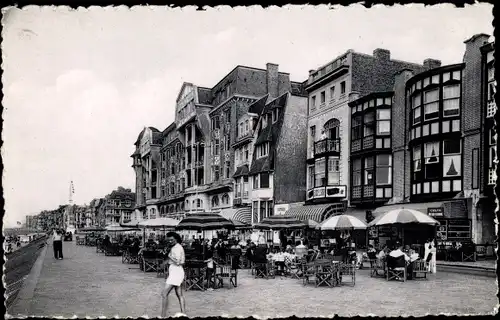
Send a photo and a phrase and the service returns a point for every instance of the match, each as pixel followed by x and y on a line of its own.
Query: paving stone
pixel 88 284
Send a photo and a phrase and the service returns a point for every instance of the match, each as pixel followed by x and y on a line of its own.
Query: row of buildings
pixel 115 208
pixel 363 134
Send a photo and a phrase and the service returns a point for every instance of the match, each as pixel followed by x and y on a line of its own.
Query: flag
pixel 72 187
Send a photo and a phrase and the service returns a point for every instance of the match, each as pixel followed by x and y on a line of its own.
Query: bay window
pixel 417 159
pixel 451 100
pixel 431 104
pixel 319 174
pixel 262 210
pixel 356 172
pixel 383 122
pixel 369 128
pixel 384 169
pixel 333 172
pixel 368 171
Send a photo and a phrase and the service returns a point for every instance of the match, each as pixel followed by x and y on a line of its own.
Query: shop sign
pixel 281 209
pixel 435 212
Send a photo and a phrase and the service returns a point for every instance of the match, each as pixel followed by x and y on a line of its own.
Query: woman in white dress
pixel 432 263
pixel 176 259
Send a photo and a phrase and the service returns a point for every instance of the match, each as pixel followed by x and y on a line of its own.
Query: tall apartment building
pixel 201 162
pixel 330 88
pixel 425 145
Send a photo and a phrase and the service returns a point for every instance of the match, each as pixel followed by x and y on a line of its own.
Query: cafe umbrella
pixel 401 217
pixel 280 222
pixel 204 221
pixel 342 222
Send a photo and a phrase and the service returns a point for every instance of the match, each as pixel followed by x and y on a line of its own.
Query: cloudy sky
pixel 80 85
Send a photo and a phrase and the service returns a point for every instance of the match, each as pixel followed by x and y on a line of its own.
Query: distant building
pixel 118 206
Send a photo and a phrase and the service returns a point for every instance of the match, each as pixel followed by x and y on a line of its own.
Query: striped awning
pixel 280 222
pixel 318 212
pixel 204 221
pixel 238 214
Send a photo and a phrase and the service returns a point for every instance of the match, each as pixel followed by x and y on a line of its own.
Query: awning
pixel 422 207
pixel 318 212
pixel 239 214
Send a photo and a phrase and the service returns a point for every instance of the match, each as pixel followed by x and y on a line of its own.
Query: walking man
pixel 176 259
pixel 57 244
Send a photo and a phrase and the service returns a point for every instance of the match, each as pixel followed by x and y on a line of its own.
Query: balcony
pixel 237 201
pixel 328 192
pixel 330 146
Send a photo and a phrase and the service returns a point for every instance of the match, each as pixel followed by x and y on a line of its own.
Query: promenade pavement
pixel 88 284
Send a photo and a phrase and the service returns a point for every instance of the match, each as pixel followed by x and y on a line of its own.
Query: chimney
pixel 431 64
pixel 272 80
pixel 382 54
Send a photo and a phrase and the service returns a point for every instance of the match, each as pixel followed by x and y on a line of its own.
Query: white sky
pixel 80 85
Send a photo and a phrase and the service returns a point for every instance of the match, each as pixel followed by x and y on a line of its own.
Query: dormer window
pixel 263 150
pixel 275 114
pixel 264 121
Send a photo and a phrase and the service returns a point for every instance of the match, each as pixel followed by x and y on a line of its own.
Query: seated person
pixel 279 258
pixel 260 254
pixel 398 252
pixel 381 255
pixel 372 253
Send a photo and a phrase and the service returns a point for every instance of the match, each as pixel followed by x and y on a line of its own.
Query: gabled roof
pixel 153 129
pixel 184 85
pixel 258 105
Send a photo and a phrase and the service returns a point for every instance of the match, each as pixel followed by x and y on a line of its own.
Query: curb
pixel 472 270
pixel 22 305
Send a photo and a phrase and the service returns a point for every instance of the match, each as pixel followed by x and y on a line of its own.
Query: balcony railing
pixel 326 146
pixel 491 109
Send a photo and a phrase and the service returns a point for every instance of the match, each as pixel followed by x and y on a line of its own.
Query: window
pixel 264 180
pixel 240 130
pixel 452 166
pixel 357 127
pixel 310 181
pixel 227 143
pixel 216 147
pixel 312 131
pixel 369 128
pixel 491 91
pixel 215 173
pixel 270 209
pixel 451 100
pixel 275 114
pixel 228 170
pixel 225 198
pixel 431 152
pixel 256 181
pixel 319 174
pixel 332 93
pixel 199 203
pixel 383 122
pixel 215 122
pixel 262 210
pixel 333 172
pixel 255 207
pixel 417 158
pixel 492 140
pixel 245 187
pixel 247 126
pixel 451 147
pixel 246 153
pixel 215 201
pixel 322 97
pixel 263 150
pixel 356 172
pixel 342 87
pixel 369 171
pixel 492 156
pixel 431 104
pixel 384 169
pixel 313 103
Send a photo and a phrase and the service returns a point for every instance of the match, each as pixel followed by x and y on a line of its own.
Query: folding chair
pixel 308 273
pixel 292 268
pixel 377 265
pixel 261 269
pixel 225 271
pixel 195 277
pixel 420 267
pixel 346 271
pixel 126 256
pixel 396 268
pixel 468 256
pixel 133 256
pixel 325 275
pixel 150 261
